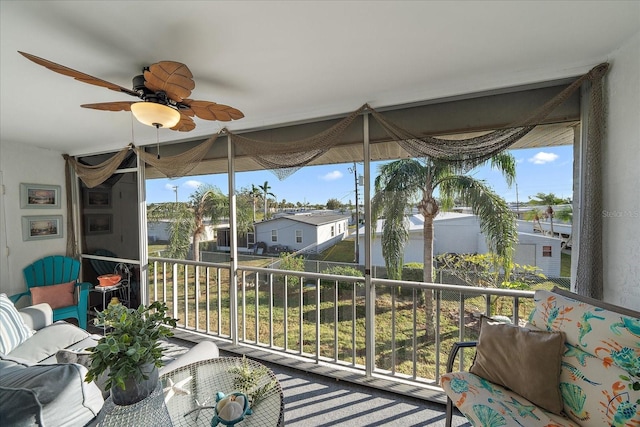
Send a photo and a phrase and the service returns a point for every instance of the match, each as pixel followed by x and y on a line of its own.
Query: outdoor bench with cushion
pixel 576 363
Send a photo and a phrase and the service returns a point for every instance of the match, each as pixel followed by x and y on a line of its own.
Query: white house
pixel 460 233
pixel 307 232
pixel 159 231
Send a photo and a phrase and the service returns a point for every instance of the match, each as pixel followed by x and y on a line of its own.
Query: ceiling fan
pixel 163 87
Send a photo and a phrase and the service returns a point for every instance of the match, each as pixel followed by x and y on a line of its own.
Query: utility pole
pixel 175 189
pixel 517 203
pixel 356 244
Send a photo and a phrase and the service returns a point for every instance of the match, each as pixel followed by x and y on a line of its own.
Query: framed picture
pixel 41 227
pixel 39 196
pixel 97 198
pixel 98 224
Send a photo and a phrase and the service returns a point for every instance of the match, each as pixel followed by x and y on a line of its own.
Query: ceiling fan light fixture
pixel 154 114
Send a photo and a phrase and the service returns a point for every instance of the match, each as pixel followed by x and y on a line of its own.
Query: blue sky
pixel 546 170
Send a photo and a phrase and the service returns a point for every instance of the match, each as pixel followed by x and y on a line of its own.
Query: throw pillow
pixel 13 330
pixel 84 358
pixel 526 361
pixel 57 296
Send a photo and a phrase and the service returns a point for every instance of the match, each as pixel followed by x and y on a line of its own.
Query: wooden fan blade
pixel 174 78
pixel 85 78
pixel 208 110
pixel 110 106
pixel 185 124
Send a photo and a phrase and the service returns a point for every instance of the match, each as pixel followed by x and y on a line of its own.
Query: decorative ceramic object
pixel 134 391
pixel 107 280
pixel 230 409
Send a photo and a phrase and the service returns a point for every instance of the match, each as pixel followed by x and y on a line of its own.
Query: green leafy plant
pixel 247 381
pixel 291 263
pixel 132 342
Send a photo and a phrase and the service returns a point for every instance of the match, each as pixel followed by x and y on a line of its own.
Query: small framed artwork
pixel 98 224
pixel 41 227
pixel 97 198
pixel 39 196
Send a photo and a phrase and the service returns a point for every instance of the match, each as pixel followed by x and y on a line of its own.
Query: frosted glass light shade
pixel 156 115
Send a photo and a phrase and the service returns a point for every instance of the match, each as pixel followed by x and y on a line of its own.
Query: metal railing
pixel 324 318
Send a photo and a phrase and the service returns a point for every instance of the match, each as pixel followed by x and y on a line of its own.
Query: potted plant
pixel 130 352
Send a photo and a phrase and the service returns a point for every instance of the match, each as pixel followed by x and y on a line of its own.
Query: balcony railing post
pixel 174 296
pixel 438 295
pixel 208 301
pixel 196 307
pixel 317 319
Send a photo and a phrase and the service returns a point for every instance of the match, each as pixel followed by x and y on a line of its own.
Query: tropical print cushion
pixel 612 337
pixel 488 405
pixel 600 376
pixel 598 393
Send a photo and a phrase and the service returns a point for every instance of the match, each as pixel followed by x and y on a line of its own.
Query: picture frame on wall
pixel 97 198
pixel 41 227
pixel 98 224
pixel 39 196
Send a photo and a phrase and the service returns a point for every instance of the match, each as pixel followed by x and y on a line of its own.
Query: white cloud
pixel 541 158
pixel 332 176
pixel 168 186
pixel 193 183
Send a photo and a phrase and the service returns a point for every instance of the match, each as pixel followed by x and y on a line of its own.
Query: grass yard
pixel 399 323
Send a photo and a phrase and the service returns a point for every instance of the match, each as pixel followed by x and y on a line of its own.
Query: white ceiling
pixel 284 61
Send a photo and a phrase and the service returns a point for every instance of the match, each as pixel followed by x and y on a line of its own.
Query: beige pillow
pixel 526 361
pixel 57 296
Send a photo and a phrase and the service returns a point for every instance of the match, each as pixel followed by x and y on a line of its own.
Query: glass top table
pixel 219 375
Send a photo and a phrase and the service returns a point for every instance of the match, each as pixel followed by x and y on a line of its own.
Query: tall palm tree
pixel 403 183
pixel 255 194
pixel 265 193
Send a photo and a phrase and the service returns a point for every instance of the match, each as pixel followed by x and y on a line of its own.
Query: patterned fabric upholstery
pixel 488 405
pixel 13 330
pixel 601 363
pixel 599 379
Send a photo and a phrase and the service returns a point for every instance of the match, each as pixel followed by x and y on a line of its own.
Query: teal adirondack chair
pixel 53 270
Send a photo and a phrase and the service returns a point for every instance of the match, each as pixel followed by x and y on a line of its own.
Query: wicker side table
pixel 150 412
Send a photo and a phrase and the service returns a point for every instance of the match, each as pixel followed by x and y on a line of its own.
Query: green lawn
pixel 565 265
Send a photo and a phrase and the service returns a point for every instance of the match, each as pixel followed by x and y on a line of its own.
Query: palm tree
pixel 209 201
pixel 403 183
pixel 534 215
pixel 187 219
pixel 265 193
pixel 255 195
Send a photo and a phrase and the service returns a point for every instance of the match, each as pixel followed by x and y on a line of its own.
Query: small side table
pixel 149 412
pixel 104 290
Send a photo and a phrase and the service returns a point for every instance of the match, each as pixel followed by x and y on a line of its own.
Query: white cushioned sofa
pixel 34 388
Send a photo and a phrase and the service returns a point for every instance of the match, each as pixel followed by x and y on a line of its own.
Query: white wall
pixel 550 266
pixel 621 157
pixel 24 164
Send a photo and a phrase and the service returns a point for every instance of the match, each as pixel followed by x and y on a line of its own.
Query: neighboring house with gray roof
pixel 302 232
